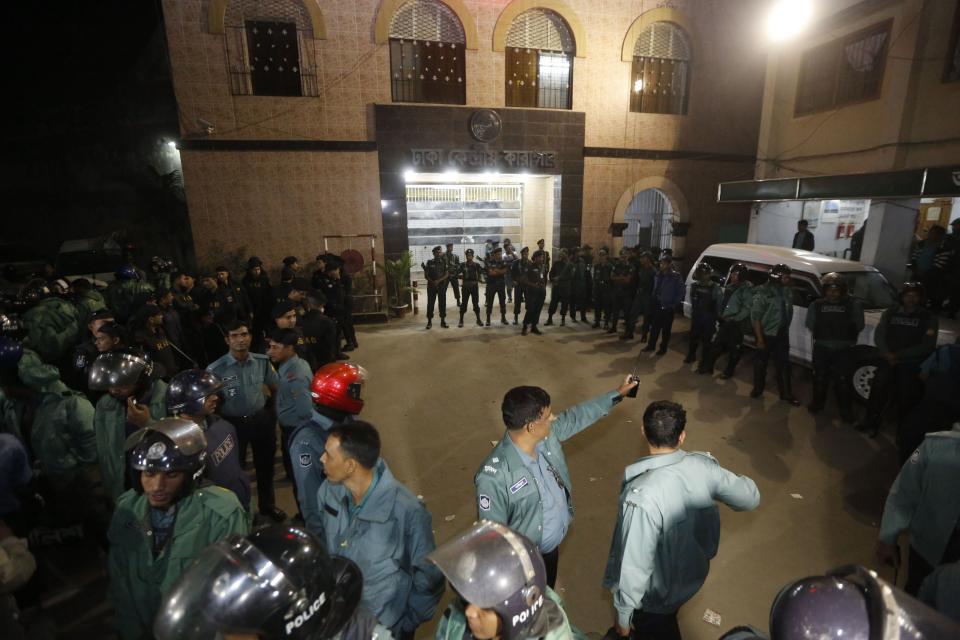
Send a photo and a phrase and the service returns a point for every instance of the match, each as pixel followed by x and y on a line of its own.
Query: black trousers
pixel 778 348
pixel 455 285
pixel 641 307
pixel 729 339
pixel 702 330
pixel 260 431
pixel 654 626
pixel 601 303
pixel 518 297
pixel 661 324
pixel 578 303
pixel 559 296
pixel 470 290
pixel 832 365
pixel 621 304
pixel 535 297
pixel 897 383
pixel 437 294
pixel 550 562
pixel 496 289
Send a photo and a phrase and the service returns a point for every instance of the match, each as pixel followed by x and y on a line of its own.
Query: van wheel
pixel 864 360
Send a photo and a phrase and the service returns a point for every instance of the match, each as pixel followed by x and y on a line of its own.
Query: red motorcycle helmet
pixel 338 385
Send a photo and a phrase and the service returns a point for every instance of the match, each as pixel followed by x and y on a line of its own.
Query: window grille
pixel 844 71
pixel 539 61
pixel 258 30
pixel 427 54
pixel 660 77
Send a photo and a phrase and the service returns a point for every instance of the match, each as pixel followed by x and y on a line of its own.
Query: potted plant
pixel 398 282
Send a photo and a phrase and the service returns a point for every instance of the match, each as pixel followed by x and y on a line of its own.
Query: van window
pixel 756 278
pixel 720 267
pixel 804 291
pixel 871 289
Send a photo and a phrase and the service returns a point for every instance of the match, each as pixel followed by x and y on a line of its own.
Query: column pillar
pixel 889 235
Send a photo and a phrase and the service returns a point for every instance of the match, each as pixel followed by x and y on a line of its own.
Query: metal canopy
pixel 912 183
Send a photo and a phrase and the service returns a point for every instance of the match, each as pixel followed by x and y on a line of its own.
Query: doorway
pixel 649 218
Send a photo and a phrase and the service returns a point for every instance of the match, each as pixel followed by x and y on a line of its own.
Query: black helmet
pixel 779 271
pixel 278 582
pixel 127 272
pixel 119 369
pixel 913 287
pixel 703 269
pixel 494 567
pixel 468 252
pixel 34 291
pixel 853 602
pixel 834 280
pixel 740 269
pixel 171 444
pixel 189 390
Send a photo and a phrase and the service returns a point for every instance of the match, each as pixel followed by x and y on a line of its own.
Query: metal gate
pixel 649 218
pixel 465 214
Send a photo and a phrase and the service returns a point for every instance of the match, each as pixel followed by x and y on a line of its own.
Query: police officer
pixel 496 283
pixel 86 352
pixel 435 271
pixel 362 505
pixel 245 406
pixel 735 309
pixel 150 336
pixel 52 324
pixel 336 390
pixel 87 300
pixel 277 583
pixel 135 398
pixel 905 336
pixel 602 271
pixel 256 285
pixel 578 286
pixel 642 299
pixel 293 390
pixel 234 293
pixel 164 522
pixel 524 482
pixel 705 301
pixel 509 258
pixel 924 501
pixel 319 332
pixel 338 306
pixel 535 292
pixel 561 281
pixel 517 272
pixel 835 320
pixel 668 526
pixel 624 280
pixel 292 263
pixel 194 395
pixel 126 292
pixel 541 246
pixel 502 583
pixel 472 273
pixel 771 313
pixel 667 294
pixel 453 269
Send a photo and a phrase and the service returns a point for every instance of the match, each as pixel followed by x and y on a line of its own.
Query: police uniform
pixel 223 466
pixel 578 289
pixel 260 294
pixel 534 292
pixel 388 535
pixel 910 336
pixel 925 499
pixel 602 293
pixel 306 446
pixel 157 346
pixel 667 531
pixel 508 261
pixel 245 407
pixel 294 405
pixel 123 296
pixel 517 272
pixel 453 269
pixel 319 337
pixel 561 279
pixel 53 328
pixel 511 492
pixel 112 429
pixel 623 277
pixel 835 327
pixel 772 307
pixel 705 302
pixel 435 271
pixel 642 303
pixel 495 287
pixel 87 304
pixel 667 294
pixel 140 573
pixel 472 273
pixel 735 309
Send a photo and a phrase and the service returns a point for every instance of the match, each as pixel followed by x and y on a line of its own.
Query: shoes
pixel 443 324
pixel 479 322
pixel 535 331
pixel 488 323
pixel 523 331
pixel 275 514
pixel 790 400
pixel 515 320
pixel 756 393
pixel 504 321
pixel 460 324
pixel 548 323
pixel 356 345
pixel 573 319
pixel 648 348
pixel 429 324
pixel 348 347
pixel 611 330
pixel 563 321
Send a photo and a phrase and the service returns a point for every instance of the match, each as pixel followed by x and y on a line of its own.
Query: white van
pixel 864 282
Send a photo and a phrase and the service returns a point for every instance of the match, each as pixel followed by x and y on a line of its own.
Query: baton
pixel 177 349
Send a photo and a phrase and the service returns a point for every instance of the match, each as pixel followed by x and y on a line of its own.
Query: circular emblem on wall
pixel 485 125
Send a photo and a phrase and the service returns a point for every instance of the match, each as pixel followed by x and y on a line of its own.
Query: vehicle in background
pixel 96 259
pixel 864 282
pixel 25 259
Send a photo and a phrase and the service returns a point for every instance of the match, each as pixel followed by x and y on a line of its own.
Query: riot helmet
pixel 740 269
pixel 278 582
pixel 834 280
pixel 339 386
pixel 913 287
pixel 11 350
pixel 853 602
pixel 127 272
pixel 496 568
pixel 119 369
pixel 703 269
pixel 171 444
pixel 189 390
pixel 779 272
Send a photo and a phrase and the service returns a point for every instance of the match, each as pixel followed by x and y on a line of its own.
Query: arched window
pixel 427 61
pixel 539 61
pixel 661 70
pixel 269 47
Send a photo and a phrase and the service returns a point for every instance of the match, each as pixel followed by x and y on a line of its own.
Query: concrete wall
pixel 353 73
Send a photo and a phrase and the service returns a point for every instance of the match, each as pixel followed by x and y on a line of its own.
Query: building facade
pixel 860 123
pixel 426 121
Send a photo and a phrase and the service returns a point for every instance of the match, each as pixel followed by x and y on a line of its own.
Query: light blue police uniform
pixel 294 403
pixel 243 382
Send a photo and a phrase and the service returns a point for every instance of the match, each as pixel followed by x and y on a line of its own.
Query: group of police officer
pixel 174 501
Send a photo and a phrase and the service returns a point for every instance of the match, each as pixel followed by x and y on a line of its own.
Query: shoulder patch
pixel 484 502
pixel 305 460
pixel 915 457
pixel 490 469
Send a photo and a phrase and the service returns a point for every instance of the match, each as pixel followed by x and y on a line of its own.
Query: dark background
pixel 91 107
